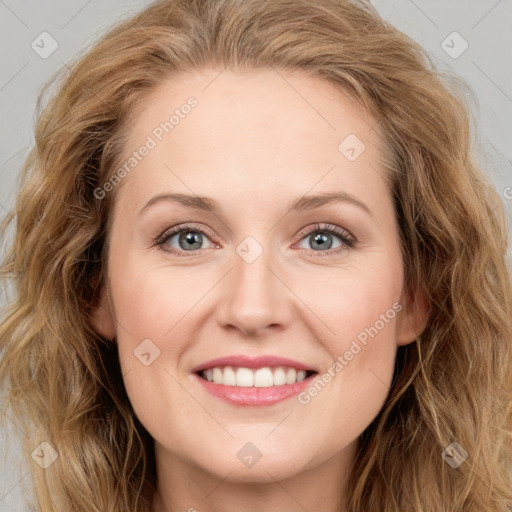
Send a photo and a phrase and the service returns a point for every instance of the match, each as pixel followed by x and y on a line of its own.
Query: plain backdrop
pixel 473 38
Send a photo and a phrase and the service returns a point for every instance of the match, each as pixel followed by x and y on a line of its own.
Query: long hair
pixel 451 385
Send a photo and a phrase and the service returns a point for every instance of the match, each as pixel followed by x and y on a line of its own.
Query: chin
pixel 246 463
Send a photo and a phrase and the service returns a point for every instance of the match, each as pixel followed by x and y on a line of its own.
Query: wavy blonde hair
pixel 63 381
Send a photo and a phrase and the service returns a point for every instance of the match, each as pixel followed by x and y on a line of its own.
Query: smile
pixel 252 377
pixel 254 381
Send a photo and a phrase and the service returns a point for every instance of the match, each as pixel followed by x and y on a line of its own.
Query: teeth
pixel 260 378
pixel 244 378
pixel 279 377
pixel 291 376
pixel 229 376
pixel 301 375
pixel 263 378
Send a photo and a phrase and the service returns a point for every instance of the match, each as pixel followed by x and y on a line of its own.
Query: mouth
pixel 255 387
pixel 241 380
pixel 263 377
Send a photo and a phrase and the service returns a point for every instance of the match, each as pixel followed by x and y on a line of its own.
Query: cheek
pixel 361 311
pixel 150 311
pixel 151 308
pixel 150 301
pixel 354 303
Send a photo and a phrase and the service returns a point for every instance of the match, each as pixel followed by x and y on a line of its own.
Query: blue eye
pixel 322 237
pixel 191 238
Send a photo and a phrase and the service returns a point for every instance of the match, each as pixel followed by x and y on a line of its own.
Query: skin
pixel 256 141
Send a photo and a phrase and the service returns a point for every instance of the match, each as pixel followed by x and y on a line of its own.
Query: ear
pixel 101 316
pixel 414 316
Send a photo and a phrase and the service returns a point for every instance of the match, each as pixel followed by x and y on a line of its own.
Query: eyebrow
pixel 302 204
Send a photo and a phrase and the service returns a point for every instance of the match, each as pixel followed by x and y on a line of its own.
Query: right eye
pixel 189 240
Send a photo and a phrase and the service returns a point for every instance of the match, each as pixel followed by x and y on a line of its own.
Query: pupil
pixel 322 240
pixel 191 239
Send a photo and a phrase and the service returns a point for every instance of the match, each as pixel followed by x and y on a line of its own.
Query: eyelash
pixel 348 240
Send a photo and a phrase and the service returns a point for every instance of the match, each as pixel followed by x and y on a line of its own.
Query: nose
pixel 255 297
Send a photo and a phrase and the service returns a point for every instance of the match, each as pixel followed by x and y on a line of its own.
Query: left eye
pixel 321 236
pixel 322 239
pixel 190 239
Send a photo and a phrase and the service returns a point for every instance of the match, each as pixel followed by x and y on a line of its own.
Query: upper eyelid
pixel 331 228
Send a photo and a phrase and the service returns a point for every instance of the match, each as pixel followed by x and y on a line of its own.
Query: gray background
pixel 76 24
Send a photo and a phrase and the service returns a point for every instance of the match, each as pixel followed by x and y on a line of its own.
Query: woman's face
pixel 255 276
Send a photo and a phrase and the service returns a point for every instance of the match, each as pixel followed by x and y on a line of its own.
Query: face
pixel 320 283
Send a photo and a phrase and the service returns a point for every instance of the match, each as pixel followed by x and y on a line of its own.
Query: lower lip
pixel 252 395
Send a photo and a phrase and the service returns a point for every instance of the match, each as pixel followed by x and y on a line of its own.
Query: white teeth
pixel 263 378
pixel 229 377
pixel 244 378
pixel 291 376
pixel 259 378
pixel 217 374
pixel 279 377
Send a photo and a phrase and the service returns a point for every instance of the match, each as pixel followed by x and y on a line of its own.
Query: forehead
pixel 253 98
pixel 251 131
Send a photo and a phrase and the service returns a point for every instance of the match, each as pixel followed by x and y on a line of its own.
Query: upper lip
pixel 252 362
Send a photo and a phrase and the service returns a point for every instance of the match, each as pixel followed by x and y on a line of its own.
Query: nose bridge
pixel 255 297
